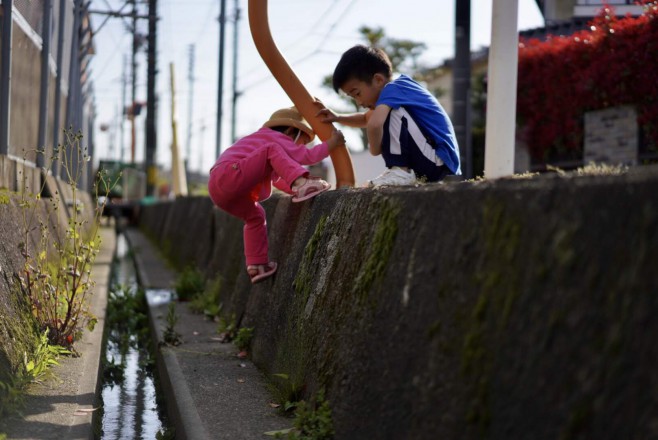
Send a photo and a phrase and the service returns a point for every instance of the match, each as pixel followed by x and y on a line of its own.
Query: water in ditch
pixel 131 405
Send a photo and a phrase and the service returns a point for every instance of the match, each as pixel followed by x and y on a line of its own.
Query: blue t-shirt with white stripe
pixel 428 113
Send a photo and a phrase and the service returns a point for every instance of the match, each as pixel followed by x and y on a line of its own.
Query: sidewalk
pixel 209 392
pixel 64 408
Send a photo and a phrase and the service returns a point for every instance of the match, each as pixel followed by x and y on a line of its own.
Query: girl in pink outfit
pixel 243 176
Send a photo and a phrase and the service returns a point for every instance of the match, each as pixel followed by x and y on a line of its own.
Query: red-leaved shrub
pixel 614 62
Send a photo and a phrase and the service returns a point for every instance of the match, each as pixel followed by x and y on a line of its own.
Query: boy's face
pixel 363 93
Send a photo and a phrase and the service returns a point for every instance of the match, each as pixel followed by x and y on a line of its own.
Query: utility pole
pixel 236 94
pixel 134 82
pixel 131 110
pixel 220 80
pixel 124 84
pixel 461 85
pixel 190 102
pixel 151 100
pixel 118 116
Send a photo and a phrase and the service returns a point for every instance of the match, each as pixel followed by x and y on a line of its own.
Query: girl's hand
pixel 336 140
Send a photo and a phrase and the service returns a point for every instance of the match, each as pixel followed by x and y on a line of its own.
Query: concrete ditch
pixel 518 308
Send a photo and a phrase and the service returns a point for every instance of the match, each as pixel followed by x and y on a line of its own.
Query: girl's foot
pixel 311 187
pixel 259 272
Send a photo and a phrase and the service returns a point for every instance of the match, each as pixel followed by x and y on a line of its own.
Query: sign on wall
pixel 611 136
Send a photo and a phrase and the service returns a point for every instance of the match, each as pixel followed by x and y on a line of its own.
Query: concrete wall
pixel 513 309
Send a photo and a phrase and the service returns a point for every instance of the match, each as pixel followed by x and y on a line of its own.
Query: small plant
pixel 171 336
pixel 164 434
pixel 227 329
pixel 126 315
pixel 287 391
pixel 11 396
pixel 4 197
pixel 526 175
pixel 208 302
pixel 601 169
pixel 243 338
pixel 45 356
pixel 56 273
pixel 35 368
pixel 127 327
pixel 312 421
pixel 189 284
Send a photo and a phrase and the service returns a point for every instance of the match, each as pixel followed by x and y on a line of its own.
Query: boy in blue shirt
pixel 404 122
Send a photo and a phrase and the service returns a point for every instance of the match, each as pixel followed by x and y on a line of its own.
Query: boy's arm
pixel 375 128
pixel 356 120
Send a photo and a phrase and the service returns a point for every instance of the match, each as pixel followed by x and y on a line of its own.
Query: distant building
pixel 564 17
pixel 564 11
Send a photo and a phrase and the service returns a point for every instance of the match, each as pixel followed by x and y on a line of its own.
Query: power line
pixel 314 52
pixel 206 23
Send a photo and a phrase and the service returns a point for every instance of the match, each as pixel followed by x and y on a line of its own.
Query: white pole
pixel 501 90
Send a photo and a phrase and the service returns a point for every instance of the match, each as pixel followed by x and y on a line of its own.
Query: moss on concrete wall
pixel 507 309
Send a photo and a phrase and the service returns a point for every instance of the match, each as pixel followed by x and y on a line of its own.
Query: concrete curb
pixel 180 404
pixel 186 420
pixel 210 393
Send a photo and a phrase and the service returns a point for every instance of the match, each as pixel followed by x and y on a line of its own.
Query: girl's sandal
pixel 258 272
pixel 311 188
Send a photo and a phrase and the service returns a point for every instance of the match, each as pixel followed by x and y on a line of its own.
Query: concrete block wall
pixel 513 309
pixel 16 175
pixel 611 136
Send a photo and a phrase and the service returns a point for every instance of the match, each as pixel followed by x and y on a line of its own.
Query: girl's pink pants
pixel 235 187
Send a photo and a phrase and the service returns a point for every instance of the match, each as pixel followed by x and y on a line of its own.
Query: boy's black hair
pixel 361 62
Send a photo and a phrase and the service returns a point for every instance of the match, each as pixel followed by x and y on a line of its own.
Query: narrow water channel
pixel 131 408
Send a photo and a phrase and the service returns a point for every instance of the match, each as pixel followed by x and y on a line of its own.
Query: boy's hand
pixel 356 120
pixel 336 140
pixel 327 115
pixel 324 113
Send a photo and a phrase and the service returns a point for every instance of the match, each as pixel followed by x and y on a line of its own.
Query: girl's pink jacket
pixel 261 139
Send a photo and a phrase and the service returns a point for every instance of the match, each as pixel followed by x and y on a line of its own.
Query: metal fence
pixel 42 85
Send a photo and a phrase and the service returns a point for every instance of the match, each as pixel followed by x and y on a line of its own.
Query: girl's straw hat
pixel 290 117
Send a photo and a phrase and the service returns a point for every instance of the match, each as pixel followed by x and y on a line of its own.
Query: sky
pixel 311 35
